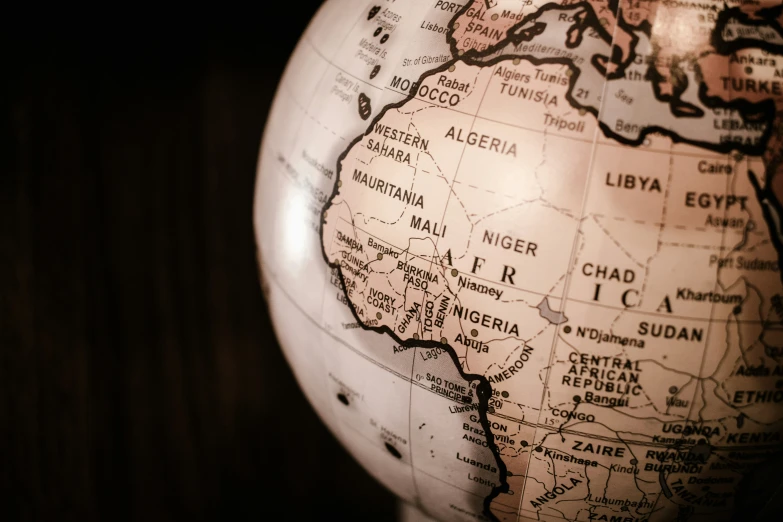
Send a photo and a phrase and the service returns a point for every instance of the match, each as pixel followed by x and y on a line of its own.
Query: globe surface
pixel 523 256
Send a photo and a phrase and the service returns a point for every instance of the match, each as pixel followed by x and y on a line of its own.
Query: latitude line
pixel 705 155
pixel 612 143
pixel 327 60
pixel 273 277
pixel 581 301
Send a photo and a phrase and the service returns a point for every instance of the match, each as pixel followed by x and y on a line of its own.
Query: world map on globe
pixel 523 256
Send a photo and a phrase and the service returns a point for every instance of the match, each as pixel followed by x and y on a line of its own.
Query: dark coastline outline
pixel 484 389
pixel 591 21
pixel 767 18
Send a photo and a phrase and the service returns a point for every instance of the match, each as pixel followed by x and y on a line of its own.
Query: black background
pixel 139 375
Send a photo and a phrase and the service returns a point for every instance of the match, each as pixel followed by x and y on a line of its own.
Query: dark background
pixel 139 375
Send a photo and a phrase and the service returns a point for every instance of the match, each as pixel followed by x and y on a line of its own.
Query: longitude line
pixel 699 380
pixel 647 444
pixel 434 253
pixel 567 279
pixel 608 307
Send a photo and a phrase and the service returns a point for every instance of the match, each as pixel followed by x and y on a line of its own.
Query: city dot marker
pixel 748 70
pixel 452 69
pixel 539 449
pixel 391 449
pixel 339 183
pixel 524 443
pixel 567 329
pixel 456 25
pixel 494 17
pixel 516 61
pixel 460 52
pixel 569 72
pixel 379 256
pixel 504 394
pixel 673 389
pixel 416 336
pixel 634 462
pixel 577 398
pixel 378 315
pixel 454 272
pixel 444 340
pixel 474 332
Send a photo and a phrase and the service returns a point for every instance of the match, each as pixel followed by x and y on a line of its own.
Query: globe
pixel 523 256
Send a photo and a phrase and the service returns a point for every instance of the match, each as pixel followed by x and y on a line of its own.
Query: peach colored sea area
pixel 716 67
pixel 677 34
pixel 722 76
pixel 675 31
